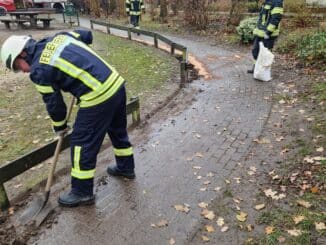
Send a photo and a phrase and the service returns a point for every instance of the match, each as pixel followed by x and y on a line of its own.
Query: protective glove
pixel 128 14
pixel 63 132
pixel 144 11
pixel 266 36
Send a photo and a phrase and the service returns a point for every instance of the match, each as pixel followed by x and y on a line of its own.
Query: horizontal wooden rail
pixel 156 37
pixel 26 162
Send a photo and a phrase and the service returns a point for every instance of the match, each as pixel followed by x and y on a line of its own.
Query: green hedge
pixel 308 45
pixel 246 28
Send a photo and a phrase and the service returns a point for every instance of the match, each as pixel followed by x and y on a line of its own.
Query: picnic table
pixel 29 16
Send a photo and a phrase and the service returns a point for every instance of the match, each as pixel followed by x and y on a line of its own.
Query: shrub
pixel 308 45
pixel 246 28
pixel 252 7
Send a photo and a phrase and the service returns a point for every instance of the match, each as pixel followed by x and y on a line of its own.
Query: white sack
pixel 263 64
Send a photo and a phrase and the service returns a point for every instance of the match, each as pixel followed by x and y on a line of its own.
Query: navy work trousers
pixel 134 20
pixel 268 43
pixel 90 128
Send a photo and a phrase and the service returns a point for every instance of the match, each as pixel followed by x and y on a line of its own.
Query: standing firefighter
pixel 267 29
pixel 65 62
pixel 134 9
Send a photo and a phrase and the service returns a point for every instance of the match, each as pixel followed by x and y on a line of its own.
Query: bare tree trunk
pixel 164 11
pixel 196 13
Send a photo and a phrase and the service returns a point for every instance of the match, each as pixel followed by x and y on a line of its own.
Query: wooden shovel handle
pixel 57 150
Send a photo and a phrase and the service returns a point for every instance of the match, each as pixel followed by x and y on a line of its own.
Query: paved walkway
pixel 181 161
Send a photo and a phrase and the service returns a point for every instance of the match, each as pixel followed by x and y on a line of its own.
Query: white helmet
pixel 11 48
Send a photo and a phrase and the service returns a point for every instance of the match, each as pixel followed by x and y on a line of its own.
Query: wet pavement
pixel 184 152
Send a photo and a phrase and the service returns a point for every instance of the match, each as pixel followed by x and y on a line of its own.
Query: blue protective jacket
pixel 65 62
pixel 134 7
pixel 269 18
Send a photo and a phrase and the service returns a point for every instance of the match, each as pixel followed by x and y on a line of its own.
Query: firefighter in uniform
pixel 134 9
pixel 267 29
pixel 65 62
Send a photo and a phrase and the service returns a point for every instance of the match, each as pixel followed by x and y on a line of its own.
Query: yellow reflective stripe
pixel 259 33
pixel 85 174
pixel 75 170
pixel 75 34
pixel 127 1
pixel 267 6
pixel 78 73
pixel 277 10
pixel 77 150
pixel 84 46
pixel 58 124
pixel 123 152
pixel 135 12
pixel 276 33
pixel 44 89
pixel 104 96
pixel 127 9
pixel 271 27
pixel 105 86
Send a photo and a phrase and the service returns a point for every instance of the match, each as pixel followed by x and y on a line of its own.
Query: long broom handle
pixel 57 151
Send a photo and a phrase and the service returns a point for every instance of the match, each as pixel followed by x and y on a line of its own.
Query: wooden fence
pixel 24 163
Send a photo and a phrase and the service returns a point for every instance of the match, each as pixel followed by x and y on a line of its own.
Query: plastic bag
pixel 263 64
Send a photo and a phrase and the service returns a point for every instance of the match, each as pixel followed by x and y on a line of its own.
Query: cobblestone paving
pixel 213 132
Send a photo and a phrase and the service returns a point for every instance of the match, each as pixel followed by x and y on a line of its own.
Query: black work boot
pixel 114 171
pixel 73 200
pixel 251 71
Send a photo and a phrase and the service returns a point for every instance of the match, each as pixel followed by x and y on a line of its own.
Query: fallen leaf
pixel 18 185
pixel 320 149
pixel 36 141
pixel 196 167
pixel 209 228
pixel 207 182
pixel 11 211
pixel 217 188
pixel 319 158
pixel 320 226
pixel 269 229
pixel 227 181
pixel 242 216
pixel 205 238
pixel 304 203
pixel 210 174
pixel 182 208
pixel 314 190
pixel 294 232
pixel 260 206
pixel 220 221
pixel 298 219
pixel 224 228
pixel 172 241
pixel 282 102
pixel 250 227
pixel 279 139
pixel 199 154
pixel 203 205
pixel 162 223
pixel 208 214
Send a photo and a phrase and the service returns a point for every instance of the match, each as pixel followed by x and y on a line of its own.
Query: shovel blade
pixel 33 210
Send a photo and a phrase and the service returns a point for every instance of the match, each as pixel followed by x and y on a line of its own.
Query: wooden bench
pixel 19 22
pixel 46 21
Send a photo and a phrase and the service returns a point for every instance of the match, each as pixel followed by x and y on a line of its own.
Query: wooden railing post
pixel 129 34
pixel 92 26
pixel 155 41
pixel 4 201
pixel 136 111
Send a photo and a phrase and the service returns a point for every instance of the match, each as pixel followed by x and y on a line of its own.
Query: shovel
pixel 37 210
